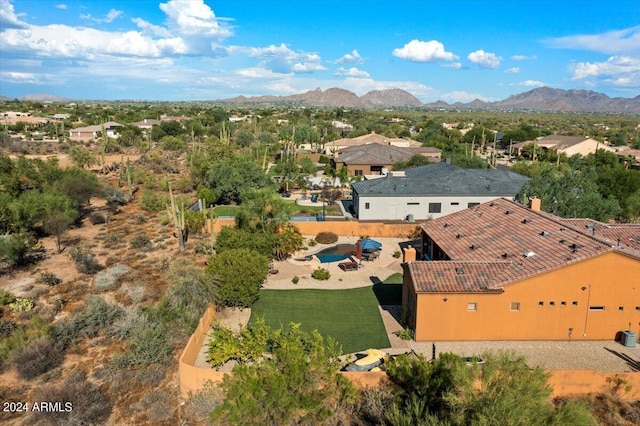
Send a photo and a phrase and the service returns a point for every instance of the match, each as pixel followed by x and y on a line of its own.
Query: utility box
pixel 409 218
pixel 629 338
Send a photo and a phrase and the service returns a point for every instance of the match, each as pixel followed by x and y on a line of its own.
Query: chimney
pixel 409 254
pixel 534 204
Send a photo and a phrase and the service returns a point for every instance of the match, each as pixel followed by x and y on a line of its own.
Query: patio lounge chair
pixel 348 266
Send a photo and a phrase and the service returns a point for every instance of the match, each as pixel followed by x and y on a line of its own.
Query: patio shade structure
pixel 369 245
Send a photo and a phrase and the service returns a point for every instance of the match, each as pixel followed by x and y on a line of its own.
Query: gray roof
pixel 444 179
pixel 374 153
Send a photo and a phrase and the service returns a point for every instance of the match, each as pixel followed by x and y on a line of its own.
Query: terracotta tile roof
pixel 517 242
pixel 455 277
pixel 628 234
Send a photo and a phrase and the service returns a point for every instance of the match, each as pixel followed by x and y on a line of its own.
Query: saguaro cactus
pixel 179 225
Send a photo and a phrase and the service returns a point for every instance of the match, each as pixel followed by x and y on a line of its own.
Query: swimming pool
pixel 336 253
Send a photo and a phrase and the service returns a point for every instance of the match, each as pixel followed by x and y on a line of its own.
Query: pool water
pixel 336 253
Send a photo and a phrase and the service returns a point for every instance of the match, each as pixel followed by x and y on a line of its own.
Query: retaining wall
pixel 564 382
pixel 343 228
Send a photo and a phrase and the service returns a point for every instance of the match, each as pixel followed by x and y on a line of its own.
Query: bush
pixel 37 357
pixel 140 241
pixel 84 260
pixel 49 278
pixel 321 274
pixel 148 344
pixel 107 279
pixel 240 273
pixel 326 237
pixel 95 317
pixel 295 280
pixel 312 243
pixel 397 254
pixel 87 404
pixel 152 202
pixel 6 297
pixel 6 327
pixel 97 218
pixel 21 305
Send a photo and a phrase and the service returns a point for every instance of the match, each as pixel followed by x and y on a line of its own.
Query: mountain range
pixel 540 99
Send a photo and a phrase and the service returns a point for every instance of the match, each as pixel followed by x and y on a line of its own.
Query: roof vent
pixel 507 212
pixel 528 254
pixel 504 255
pixel 544 234
pixel 446 224
pixel 562 241
pixel 473 247
pixel 591 227
pixel 458 236
pixel 525 220
pixel 491 204
pixel 573 246
pixel 459 271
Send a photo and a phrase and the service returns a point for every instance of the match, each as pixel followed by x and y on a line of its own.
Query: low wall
pixel 570 382
pixel 192 378
pixel 343 228
pixel 563 382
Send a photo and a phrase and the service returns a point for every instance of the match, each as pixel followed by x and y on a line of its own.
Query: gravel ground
pixel 608 356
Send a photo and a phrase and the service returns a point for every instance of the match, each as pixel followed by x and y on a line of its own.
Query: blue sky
pixel 216 49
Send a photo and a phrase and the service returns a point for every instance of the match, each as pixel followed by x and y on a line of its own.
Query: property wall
pixel 553 306
pixel 344 228
pixel 398 207
pixel 192 378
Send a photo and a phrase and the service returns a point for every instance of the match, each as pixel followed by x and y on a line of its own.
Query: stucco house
pixel 504 271
pixel 91 132
pixel 569 145
pixel 375 158
pixel 431 191
pixel 373 137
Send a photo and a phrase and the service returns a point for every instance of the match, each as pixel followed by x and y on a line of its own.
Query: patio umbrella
pixel 368 244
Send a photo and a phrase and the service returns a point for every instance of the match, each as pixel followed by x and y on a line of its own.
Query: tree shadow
pixel 632 363
pixel 389 297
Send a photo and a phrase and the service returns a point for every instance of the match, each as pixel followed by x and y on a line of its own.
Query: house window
pixel 472 306
pixel 621 308
pixel 541 303
pixel 469 205
pixel 413 204
pixel 435 207
pixel 455 204
pixel 358 173
pixel 515 306
pixel 596 308
pixel 366 205
pixel 563 303
pixel 575 303
pixel 552 303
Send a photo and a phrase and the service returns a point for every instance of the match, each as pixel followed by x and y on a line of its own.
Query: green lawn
pixel 349 316
pixel 291 207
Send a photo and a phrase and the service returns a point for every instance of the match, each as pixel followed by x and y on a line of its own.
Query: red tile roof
pixel 501 242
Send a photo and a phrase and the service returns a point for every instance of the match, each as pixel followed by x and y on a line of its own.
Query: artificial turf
pixel 350 316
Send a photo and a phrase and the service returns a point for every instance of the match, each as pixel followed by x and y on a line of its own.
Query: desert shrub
pixel 321 274
pixel 107 279
pixel 88 405
pixel 96 218
pixel 140 241
pixel 200 404
pixel 152 202
pixel 312 243
pixel 148 343
pixel 323 159
pixel 141 219
pixel 374 403
pixel 114 195
pixel 97 315
pixel 21 305
pixel 37 357
pixel 6 327
pixel 6 297
pixel 326 237
pixel 20 336
pixel 195 221
pixel 84 260
pixel 49 278
pixel 295 280
pixel 158 405
pixel 244 346
pixel 397 254
pixel 112 239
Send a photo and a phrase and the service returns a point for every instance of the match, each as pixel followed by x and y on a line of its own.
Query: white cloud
pixel 514 70
pixel 350 58
pixel 8 18
pixel 462 96
pixel 149 28
pixel 282 59
pixel 455 65
pixel 424 51
pixel 19 77
pixel 523 57
pixel 257 72
pixel 617 70
pixel 61 6
pixel 626 41
pixel 484 59
pixel 532 83
pixel 351 72
pixel 110 17
pixel 194 17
